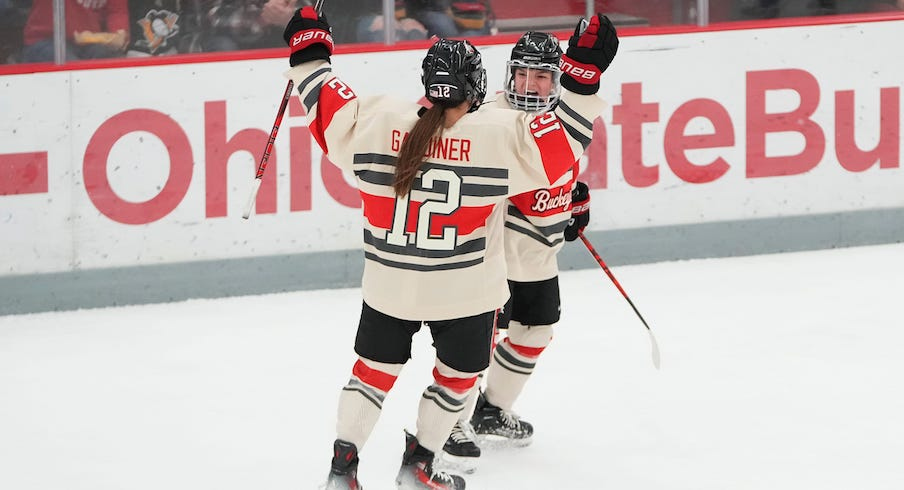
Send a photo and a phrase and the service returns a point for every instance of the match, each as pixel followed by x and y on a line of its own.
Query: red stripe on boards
pixel 23 173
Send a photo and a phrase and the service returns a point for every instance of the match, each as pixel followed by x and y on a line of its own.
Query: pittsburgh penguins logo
pixel 158 26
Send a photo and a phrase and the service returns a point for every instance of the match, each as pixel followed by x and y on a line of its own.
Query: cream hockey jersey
pixel 535 224
pixel 437 253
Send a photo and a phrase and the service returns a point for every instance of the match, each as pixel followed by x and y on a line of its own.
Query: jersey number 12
pixel 445 206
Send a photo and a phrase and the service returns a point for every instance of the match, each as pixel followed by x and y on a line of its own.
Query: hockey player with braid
pixel 537 223
pixel 431 182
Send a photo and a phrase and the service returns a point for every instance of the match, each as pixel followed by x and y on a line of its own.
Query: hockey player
pixel 537 223
pixel 431 181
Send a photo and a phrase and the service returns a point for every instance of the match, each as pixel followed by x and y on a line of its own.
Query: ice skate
pixel 417 471
pixel 344 467
pixel 496 427
pixel 460 453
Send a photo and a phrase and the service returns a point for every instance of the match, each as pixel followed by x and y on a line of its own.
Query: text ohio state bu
pixel 306 38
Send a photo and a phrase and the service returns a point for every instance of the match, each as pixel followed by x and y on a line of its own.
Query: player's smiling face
pixel 531 81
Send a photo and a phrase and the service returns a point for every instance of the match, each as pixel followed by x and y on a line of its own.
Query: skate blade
pixel 491 441
pixel 455 464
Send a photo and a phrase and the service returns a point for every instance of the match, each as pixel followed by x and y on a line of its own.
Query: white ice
pixel 778 372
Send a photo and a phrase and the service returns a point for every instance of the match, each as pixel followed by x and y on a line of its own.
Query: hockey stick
pixel 266 156
pixel 255 187
pixel 599 260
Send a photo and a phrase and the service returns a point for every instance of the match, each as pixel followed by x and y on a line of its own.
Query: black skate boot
pixel 344 468
pixel 497 427
pixel 460 452
pixel 417 470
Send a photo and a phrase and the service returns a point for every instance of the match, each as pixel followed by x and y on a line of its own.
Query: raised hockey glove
pixel 580 211
pixel 309 37
pixel 591 49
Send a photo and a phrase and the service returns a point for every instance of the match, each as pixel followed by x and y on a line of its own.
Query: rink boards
pixel 126 184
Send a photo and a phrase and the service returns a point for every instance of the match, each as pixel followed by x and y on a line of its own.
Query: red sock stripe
pixel 378 379
pixel 458 385
pixel 523 349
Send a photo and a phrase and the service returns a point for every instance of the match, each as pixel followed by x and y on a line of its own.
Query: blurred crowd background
pixel 61 31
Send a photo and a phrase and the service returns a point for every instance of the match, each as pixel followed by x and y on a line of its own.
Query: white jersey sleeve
pixel 535 222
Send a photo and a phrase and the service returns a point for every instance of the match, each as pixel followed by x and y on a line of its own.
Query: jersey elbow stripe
pixel 310 99
pixel 578 118
pixel 548 241
pixel 561 220
pixel 577 135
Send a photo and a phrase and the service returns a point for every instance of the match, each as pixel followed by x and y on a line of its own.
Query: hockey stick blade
pixel 599 260
pixel 249 206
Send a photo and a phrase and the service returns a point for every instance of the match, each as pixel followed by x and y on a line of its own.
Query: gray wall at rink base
pixel 261 275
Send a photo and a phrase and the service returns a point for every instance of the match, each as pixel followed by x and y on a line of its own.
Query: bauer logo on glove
pixel 591 50
pixel 580 71
pixel 306 38
pixel 309 37
pixel 580 211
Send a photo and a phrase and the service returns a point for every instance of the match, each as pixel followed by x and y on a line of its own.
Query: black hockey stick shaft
pixel 602 264
pixel 262 165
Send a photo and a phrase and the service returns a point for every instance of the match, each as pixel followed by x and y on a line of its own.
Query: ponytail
pixel 415 147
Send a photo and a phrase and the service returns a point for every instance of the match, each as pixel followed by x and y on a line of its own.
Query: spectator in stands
pixel 451 18
pixel 247 24
pixel 164 27
pixel 94 29
pixel 12 19
pixel 772 9
pixel 887 5
pixel 858 6
pixel 361 21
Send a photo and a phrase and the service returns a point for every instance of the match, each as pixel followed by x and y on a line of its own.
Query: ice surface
pixel 778 372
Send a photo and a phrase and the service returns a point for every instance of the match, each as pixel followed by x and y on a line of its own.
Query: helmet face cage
pixel 534 51
pixel 452 72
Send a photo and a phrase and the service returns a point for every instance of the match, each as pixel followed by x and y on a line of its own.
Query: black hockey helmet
pixel 535 51
pixel 452 72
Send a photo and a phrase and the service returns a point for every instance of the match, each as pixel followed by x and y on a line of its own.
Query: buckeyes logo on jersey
pixel 544 201
pixel 157 27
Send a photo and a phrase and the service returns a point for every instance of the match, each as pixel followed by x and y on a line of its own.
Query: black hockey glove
pixel 589 53
pixel 309 36
pixel 580 211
